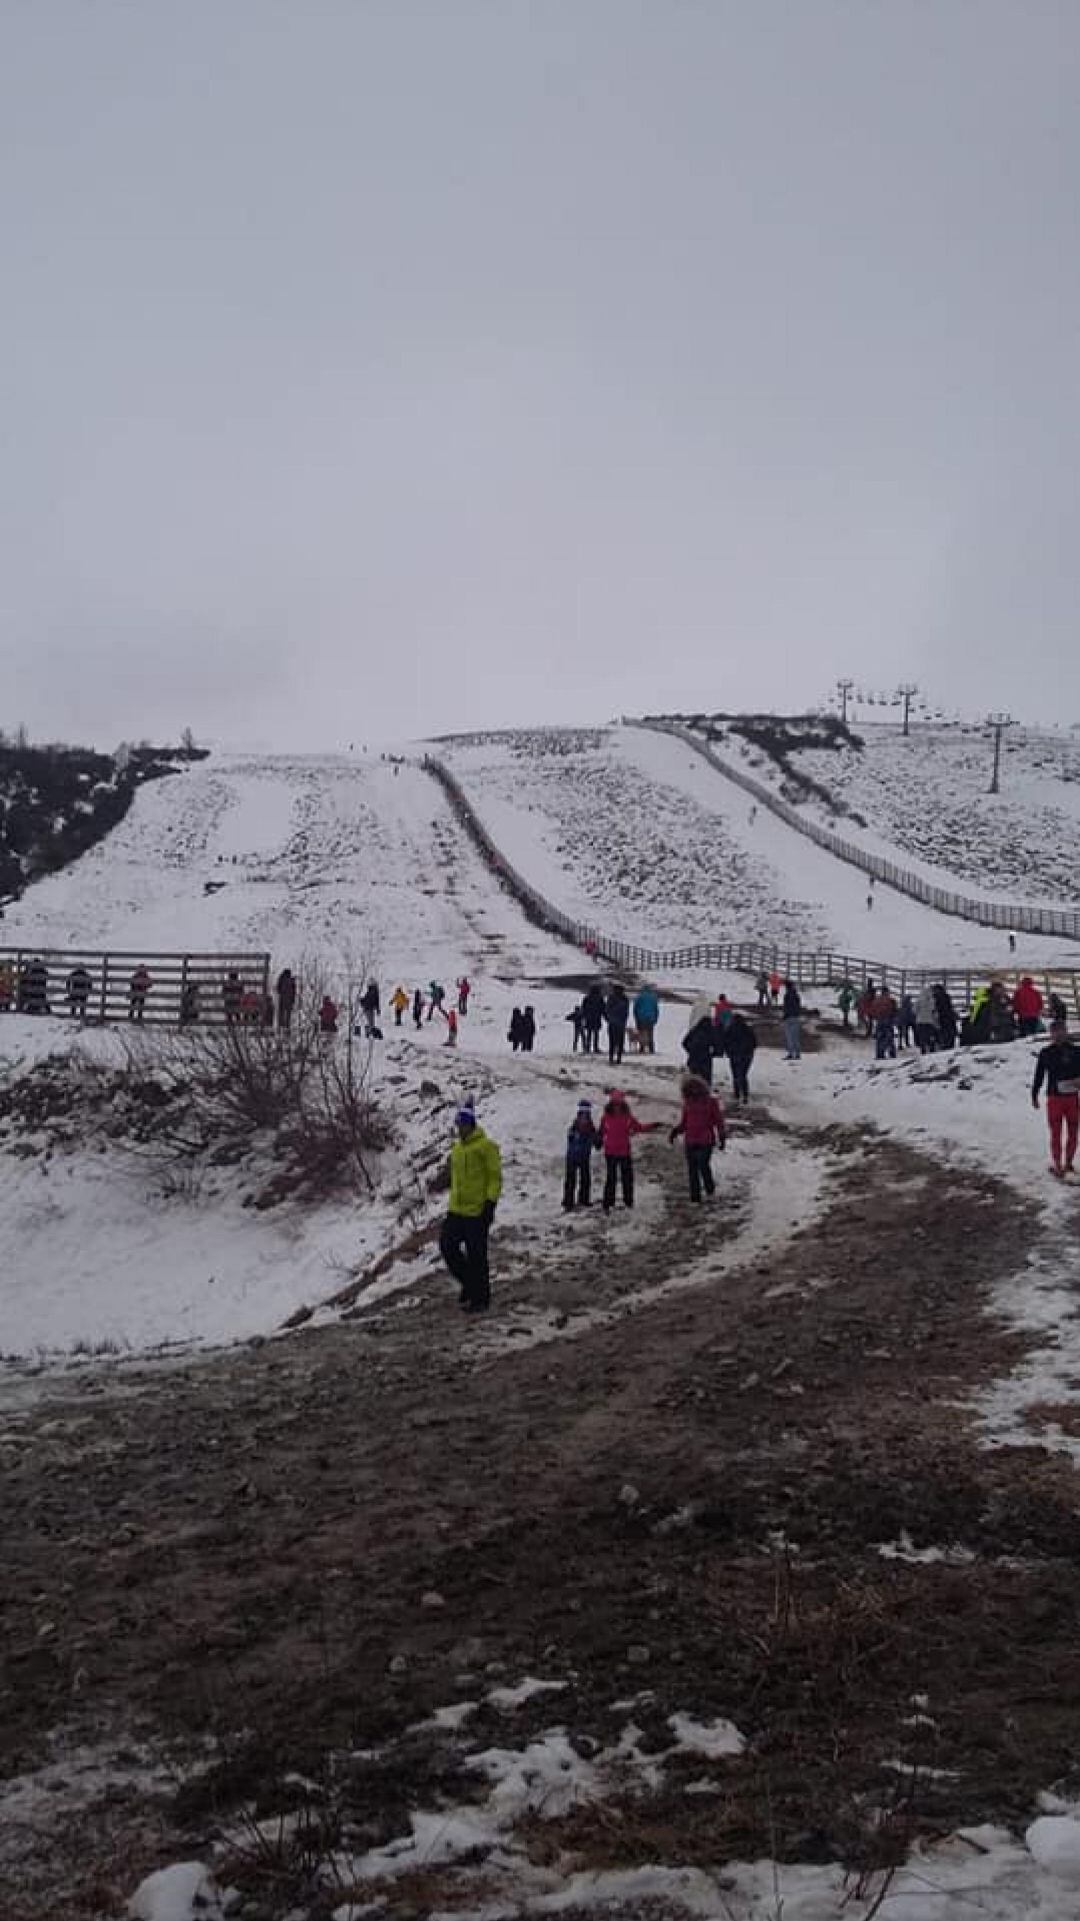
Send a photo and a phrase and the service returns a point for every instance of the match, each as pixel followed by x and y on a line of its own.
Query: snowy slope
pixel 925 803
pixel 634 831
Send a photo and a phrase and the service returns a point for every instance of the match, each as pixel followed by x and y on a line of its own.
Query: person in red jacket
pixel 702 1126
pixel 617 1129
pixel 1027 1005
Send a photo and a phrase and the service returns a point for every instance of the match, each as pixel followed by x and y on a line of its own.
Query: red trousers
pixel 1063 1114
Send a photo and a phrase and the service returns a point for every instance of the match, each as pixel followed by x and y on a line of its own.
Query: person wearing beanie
pixel 475 1187
pixel 581 1141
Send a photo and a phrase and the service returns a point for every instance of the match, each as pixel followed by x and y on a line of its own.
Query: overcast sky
pixel 375 367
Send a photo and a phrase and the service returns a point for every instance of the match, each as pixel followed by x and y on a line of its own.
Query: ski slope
pixel 635 831
pixel 925 803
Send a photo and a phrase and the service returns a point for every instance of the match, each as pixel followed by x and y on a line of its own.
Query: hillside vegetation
pixel 56 801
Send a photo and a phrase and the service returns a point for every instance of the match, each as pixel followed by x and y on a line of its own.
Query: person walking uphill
pixel 617 1129
pixel 399 1001
pixel 475 1187
pixel 702 1126
pixel 646 1015
pixel 1059 1066
pixel 581 1142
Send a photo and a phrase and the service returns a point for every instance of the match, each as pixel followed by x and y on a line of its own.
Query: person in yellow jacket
pixel 399 1001
pixel 475 1186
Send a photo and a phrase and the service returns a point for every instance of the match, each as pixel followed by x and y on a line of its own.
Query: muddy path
pixel 309 1544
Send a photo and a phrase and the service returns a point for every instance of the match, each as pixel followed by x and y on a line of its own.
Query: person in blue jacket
pixel 646 1015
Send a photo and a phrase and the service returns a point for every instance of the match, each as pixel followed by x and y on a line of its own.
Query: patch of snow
pixel 714 1739
pixel 186 1891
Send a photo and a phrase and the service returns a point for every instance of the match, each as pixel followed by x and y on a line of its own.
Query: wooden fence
pixel 1032 919
pixel 172 979
pixel 806 969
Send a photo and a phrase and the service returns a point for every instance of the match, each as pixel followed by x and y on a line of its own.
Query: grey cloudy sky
pixel 374 367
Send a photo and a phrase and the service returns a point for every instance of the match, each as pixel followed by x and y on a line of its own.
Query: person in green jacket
pixel 475 1186
pixel 845 1001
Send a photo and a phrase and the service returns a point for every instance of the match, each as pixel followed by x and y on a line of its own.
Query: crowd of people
pixel 929 1019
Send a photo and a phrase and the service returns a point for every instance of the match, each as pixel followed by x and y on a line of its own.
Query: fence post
pixel 104 988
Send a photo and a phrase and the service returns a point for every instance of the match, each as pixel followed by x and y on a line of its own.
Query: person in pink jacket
pixel 702 1127
pixel 617 1129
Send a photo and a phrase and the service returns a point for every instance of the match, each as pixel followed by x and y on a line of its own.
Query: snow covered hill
pixel 634 831
pixel 923 800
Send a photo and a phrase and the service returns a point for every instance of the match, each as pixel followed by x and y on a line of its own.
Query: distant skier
pixel 1059 1066
pixel 582 1141
pixel 702 1124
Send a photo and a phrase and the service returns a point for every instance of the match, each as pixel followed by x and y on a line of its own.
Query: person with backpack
pixel 437 995
pixel 646 1015
pixel 582 1141
pixel 475 1189
pixel 738 1041
pixel 617 1129
pixel 702 1126
pixel 1058 1065
pixel 791 1020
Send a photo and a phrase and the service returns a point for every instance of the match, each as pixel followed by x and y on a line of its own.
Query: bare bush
pixel 305 1093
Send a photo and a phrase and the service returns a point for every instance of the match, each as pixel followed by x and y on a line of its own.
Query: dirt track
pixel 244 1544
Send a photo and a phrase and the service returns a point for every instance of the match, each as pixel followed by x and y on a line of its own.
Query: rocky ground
pixel 238 1585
